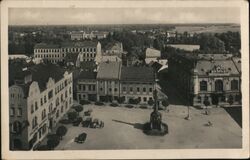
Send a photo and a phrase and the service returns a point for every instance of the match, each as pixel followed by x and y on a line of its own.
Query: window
pixel 32 108
pixel 144 89
pixel 61 109
pixel 50 94
pixel 138 89
pixel 19 112
pixel 203 86
pixel 45 99
pixel 93 87
pixel 43 114
pixel 115 89
pixel 41 101
pixel 150 89
pixel 100 89
pixel 124 89
pixel 12 111
pixel 57 101
pixel 61 97
pixel 79 96
pixel 57 113
pixel 234 85
pixel 80 87
pixel 89 88
pixel 145 99
pixel 66 94
pixel 34 122
pixel 131 89
pixel 110 89
pixel 218 85
pixel 65 83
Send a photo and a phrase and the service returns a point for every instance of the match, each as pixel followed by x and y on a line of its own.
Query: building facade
pixel 137 83
pixel 37 101
pixel 86 86
pixel 215 78
pixel 108 74
pixel 86 51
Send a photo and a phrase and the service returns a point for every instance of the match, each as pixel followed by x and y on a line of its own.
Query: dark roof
pixel 205 66
pixel 88 65
pixel 156 66
pixel 46 46
pixel 87 75
pixel 40 73
pixel 79 44
pixel 138 74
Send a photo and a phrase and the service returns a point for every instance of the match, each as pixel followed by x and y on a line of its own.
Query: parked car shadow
pixel 135 125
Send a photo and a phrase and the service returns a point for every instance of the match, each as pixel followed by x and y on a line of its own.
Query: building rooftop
pixel 46 46
pixel 79 44
pixel 109 70
pixel 152 53
pixel 187 47
pixel 40 73
pixel 87 75
pixel 137 74
pixel 205 67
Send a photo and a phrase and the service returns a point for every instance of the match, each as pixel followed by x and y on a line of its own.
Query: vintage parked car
pixel 77 121
pixel 86 122
pixel 88 112
pixel 81 138
pixel 96 123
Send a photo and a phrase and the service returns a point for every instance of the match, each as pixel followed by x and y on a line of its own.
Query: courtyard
pixel 123 130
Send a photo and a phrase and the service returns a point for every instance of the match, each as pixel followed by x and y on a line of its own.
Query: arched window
pixel 218 85
pixel 203 86
pixel 234 85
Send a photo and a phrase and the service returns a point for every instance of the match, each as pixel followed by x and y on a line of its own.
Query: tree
pixel 53 141
pixel 165 102
pixel 72 116
pixel 61 131
pixel 150 102
pixel 78 109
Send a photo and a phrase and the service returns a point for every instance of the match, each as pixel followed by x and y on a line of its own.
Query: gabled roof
pixel 137 74
pixel 109 70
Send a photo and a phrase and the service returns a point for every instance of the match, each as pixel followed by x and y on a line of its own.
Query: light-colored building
pixel 212 77
pixel 186 47
pixel 152 55
pixel 38 97
pixel 86 51
pixel 108 74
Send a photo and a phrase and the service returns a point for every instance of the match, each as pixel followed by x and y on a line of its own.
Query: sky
pixel 74 16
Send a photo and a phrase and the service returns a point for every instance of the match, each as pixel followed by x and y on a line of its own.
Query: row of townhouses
pixel 39 96
pixel 112 81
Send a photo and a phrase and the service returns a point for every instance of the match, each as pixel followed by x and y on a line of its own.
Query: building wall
pixel 108 87
pixel 17 114
pixel 44 109
pixel 86 90
pixel 133 90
